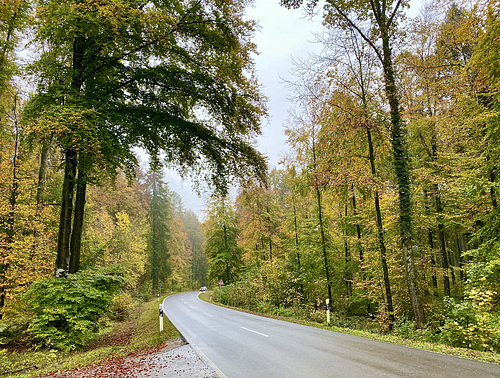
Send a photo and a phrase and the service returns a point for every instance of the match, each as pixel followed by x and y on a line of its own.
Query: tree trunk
pixel 441 236
pixel 63 241
pixel 76 235
pixel 430 239
pixel 10 221
pixel 65 238
pixel 492 189
pixel 323 244
pixel 403 180
pixel 269 230
pixel 347 259
pixel 320 219
pixel 442 244
pixel 297 247
pixel 42 171
pixel 358 227
pixel 381 241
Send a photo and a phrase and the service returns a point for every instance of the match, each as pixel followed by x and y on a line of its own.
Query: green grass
pixel 434 347
pixel 119 339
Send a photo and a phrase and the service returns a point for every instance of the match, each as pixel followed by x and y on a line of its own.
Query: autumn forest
pixel 385 207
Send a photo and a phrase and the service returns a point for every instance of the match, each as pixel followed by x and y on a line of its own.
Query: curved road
pixel 244 345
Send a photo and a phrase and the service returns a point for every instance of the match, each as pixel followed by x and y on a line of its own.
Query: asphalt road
pixel 242 345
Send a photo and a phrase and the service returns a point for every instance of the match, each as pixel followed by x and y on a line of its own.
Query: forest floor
pixel 132 348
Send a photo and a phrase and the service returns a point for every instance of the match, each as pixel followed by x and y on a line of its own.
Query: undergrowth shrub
pixel 68 309
pixel 12 329
pixel 121 306
pixel 472 323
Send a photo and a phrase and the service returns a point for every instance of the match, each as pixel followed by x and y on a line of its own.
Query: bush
pixel 471 323
pixel 68 309
pixel 12 329
pixel 121 307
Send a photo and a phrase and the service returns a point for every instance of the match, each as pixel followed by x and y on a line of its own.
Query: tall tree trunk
pixel 320 219
pixel 323 243
pixel 493 194
pixel 430 238
pixel 402 173
pixel 11 221
pixel 442 244
pixel 269 231
pixel 63 240
pixel 297 248
pixel 441 236
pixel 40 189
pixel 76 235
pixel 42 171
pixel 347 259
pixel 69 183
pixel 380 234
pixel 358 227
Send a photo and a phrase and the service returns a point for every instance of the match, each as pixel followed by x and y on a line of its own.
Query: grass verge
pixel 119 339
pixel 439 348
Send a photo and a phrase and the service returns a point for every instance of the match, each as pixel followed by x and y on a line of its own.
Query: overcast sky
pixel 283 34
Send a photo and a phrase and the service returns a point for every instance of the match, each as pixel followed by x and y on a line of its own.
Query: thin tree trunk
pixel 10 230
pixel 430 238
pixel 493 194
pixel 358 227
pixel 321 224
pixel 269 231
pixel 323 244
pixel 442 244
pixel 441 236
pixel 63 240
pixel 381 241
pixel 42 171
pixel 297 247
pixel 40 189
pixel 347 259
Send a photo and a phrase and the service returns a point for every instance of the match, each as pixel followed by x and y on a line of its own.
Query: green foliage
pixel 221 246
pixel 121 306
pixel 12 329
pixel 68 309
pixel 145 334
pixel 165 61
pixel 471 323
pixel 160 217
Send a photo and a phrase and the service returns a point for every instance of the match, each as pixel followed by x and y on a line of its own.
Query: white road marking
pixel 258 333
pixel 208 315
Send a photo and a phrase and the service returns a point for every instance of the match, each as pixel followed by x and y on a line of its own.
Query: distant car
pixel 203 288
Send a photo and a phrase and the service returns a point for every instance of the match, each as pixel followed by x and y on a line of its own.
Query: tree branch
pixel 355 27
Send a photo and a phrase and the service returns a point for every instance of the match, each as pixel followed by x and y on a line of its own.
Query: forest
pixel 386 205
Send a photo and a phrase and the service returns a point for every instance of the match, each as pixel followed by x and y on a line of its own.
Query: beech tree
pixel 175 78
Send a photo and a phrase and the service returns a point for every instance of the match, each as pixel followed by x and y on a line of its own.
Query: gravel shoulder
pixel 175 358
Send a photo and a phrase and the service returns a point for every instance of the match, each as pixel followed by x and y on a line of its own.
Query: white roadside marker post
pixel 327 311
pixel 161 318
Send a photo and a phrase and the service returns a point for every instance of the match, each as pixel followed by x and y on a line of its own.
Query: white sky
pixel 284 34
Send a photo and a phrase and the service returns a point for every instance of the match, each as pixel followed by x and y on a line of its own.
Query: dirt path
pixel 175 358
